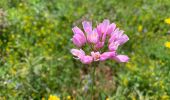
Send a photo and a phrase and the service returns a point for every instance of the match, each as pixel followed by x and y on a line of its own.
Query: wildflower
pixel 107 99
pixel 43 98
pixel 96 39
pixel 68 97
pixel 167 44
pixel 53 97
pixel 167 20
pixel 140 28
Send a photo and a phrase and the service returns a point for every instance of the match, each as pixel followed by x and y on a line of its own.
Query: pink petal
pixel 78 53
pixel 87 26
pixel 77 30
pixel 111 28
pixel 102 29
pixel 78 40
pixel 99 30
pixel 113 46
pixel 105 26
pixel 107 55
pixel 99 45
pixel 86 59
pixel 123 39
pixel 115 35
pixel 93 37
pixel 121 58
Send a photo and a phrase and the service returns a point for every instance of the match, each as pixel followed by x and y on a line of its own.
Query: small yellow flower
pixel 68 97
pixel 53 97
pixel 167 20
pixel 140 28
pixel 107 98
pixel 43 98
pixel 167 44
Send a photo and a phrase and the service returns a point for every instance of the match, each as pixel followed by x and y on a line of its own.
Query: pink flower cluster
pixel 96 39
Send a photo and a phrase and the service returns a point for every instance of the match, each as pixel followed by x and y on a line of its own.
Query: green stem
pixel 93 79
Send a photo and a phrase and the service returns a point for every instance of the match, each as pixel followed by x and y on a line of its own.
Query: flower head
pixel 140 28
pixel 96 39
pixel 53 97
pixel 167 20
pixel 167 44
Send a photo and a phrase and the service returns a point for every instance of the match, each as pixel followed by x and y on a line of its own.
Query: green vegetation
pixel 35 59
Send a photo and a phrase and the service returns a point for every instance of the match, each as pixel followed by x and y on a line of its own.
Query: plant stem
pixel 93 79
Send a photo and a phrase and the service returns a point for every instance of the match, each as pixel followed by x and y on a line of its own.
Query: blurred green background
pixel 35 59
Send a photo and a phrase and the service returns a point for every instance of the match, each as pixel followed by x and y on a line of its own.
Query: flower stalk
pixel 93 79
pixel 104 34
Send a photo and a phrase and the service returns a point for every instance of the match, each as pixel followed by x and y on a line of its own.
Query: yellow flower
pixel 53 97
pixel 68 97
pixel 107 98
pixel 167 20
pixel 43 98
pixel 167 44
pixel 140 28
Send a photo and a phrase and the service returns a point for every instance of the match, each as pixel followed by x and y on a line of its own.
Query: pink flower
pixel 107 55
pixel 93 37
pixel 96 39
pixel 86 59
pixel 96 56
pixel 121 58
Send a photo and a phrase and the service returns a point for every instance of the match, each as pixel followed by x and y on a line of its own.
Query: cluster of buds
pixel 105 34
